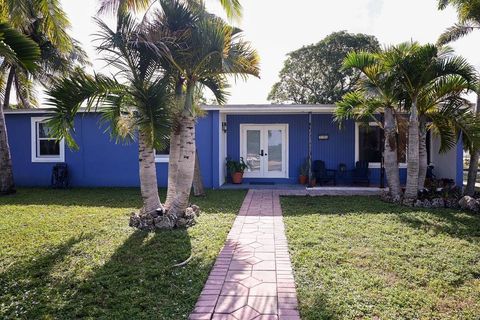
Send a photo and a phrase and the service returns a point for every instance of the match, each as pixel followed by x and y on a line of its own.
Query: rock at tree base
pixel 438 203
pixel 469 203
pixel 159 220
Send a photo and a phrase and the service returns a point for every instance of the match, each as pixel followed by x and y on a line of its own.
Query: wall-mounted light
pixel 323 137
pixel 224 126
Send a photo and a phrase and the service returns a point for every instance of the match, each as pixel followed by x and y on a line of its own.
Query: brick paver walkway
pixel 252 277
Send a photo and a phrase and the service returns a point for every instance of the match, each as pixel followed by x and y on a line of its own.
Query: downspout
pixel 382 161
pixel 309 145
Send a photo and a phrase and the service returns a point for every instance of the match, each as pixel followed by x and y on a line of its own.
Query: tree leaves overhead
pixel 468 12
pixel 17 48
pixel 313 74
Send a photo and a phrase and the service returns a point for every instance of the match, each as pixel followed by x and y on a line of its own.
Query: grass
pixel 360 258
pixel 68 254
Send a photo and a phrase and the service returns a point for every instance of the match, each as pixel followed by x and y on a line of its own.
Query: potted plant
pixel 303 177
pixel 236 169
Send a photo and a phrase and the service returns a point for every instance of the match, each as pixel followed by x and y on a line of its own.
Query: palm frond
pixel 456 32
pixel 17 48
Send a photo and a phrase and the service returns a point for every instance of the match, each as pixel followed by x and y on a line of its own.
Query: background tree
pixel 313 74
pixel 15 48
pixel 468 20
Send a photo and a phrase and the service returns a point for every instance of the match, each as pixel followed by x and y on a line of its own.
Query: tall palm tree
pixel 45 23
pixel 378 92
pixel 443 110
pixel 15 48
pixel 419 67
pixel 468 21
pixel 135 102
pixel 210 50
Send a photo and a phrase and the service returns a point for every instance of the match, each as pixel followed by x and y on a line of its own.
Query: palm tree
pixel 15 48
pixel 474 158
pixel 418 68
pixel 45 23
pixel 377 92
pixel 135 103
pixel 232 8
pixel 443 110
pixel 468 21
pixel 210 50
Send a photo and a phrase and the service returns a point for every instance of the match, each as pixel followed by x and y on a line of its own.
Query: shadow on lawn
pixel 90 197
pixel 137 282
pixel 456 223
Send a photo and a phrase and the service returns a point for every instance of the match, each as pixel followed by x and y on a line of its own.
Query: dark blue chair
pixel 322 174
pixel 361 173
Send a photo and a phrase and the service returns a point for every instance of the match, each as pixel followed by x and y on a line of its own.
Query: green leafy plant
pixel 236 166
pixel 304 168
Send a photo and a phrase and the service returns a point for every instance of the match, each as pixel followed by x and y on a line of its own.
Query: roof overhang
pixel 227 109
pixel 270 108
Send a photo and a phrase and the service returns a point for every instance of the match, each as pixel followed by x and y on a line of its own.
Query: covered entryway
pixel 264 148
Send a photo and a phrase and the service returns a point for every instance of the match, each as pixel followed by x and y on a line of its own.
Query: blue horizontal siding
pixel 339 148
pixel 99 162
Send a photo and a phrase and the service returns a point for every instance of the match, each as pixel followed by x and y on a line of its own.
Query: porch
pixel 276 141
pixel 300 190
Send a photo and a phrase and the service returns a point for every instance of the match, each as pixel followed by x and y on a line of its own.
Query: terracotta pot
pixel 302 179
pixel 237 177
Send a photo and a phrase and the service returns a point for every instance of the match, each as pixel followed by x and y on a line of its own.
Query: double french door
pixel 264 150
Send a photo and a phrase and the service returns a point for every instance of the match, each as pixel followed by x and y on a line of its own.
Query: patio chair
pixel 361 173
pixel 322 174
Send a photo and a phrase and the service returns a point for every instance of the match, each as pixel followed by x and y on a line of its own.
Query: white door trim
pixel 263 128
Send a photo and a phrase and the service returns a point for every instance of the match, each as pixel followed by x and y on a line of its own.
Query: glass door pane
pixel 275 150
pixel 253 159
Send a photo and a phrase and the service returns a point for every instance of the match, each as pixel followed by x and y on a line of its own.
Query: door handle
pixel 262 153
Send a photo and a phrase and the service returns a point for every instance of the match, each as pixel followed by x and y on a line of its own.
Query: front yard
pixel 360 258
pixel 70 254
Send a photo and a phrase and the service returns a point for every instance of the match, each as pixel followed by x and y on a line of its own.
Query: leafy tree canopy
pixel 313 74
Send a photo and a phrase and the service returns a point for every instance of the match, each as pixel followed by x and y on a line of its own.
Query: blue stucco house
pixel 273 139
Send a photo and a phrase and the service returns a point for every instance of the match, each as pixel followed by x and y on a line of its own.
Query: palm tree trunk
pixel 173 165
pixel 8 88
pixel 186 161
pixel 7 185
pixel 473 165
pixel 411 190
pixel 390 154
pixel 25 100
pixel 198 188
pixel 422 152
pixel 148 176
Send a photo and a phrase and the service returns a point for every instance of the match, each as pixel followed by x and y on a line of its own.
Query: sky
pixel 277 27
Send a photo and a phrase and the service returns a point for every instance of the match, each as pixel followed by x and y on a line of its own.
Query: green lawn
pixel 360 258
pixel 70 254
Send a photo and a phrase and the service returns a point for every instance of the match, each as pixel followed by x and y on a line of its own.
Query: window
pixel 45 148
pixel 162 155
pixel 370 142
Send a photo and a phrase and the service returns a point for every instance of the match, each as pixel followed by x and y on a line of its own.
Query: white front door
pixel 264 149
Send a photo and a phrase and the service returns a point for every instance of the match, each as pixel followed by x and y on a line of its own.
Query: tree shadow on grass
pixel 138 281
pixel 26 288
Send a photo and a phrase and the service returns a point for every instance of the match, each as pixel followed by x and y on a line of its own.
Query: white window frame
pixel 161 158
pixel 35 143
pixel 373 165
